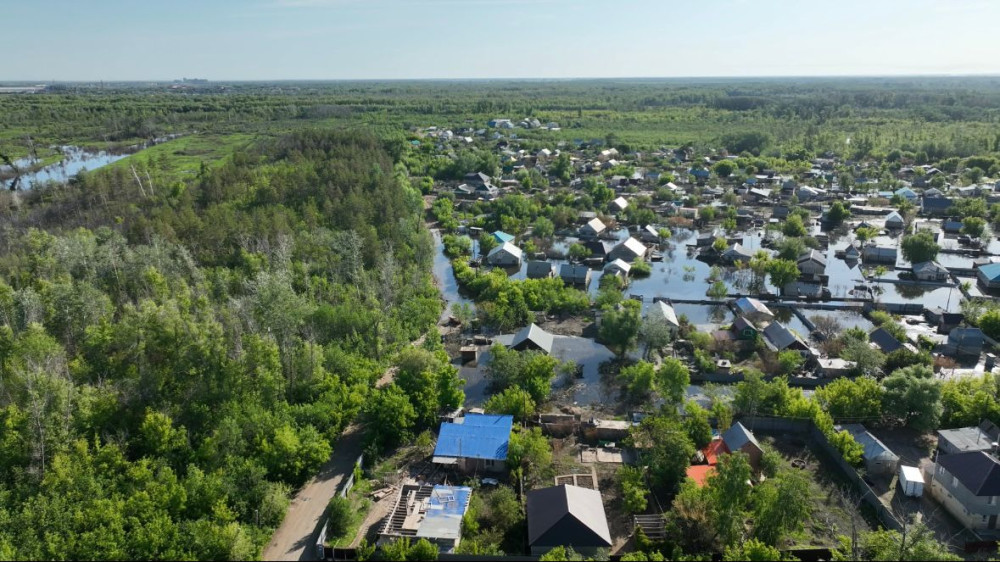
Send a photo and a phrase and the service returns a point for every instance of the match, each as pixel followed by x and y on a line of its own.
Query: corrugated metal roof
pixel 480 436
pixel 535 335
pixel 873 447
pixel 737 436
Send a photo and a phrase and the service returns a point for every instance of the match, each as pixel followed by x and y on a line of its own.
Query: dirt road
pixel 295 539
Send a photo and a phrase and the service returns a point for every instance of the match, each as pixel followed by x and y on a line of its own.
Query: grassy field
pixel 182 157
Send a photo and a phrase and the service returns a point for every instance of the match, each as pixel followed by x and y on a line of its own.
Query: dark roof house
pixel 566 516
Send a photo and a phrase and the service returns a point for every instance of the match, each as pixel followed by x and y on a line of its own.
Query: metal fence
pixel 322 552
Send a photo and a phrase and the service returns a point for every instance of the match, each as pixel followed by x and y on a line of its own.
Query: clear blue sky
pixel 347 39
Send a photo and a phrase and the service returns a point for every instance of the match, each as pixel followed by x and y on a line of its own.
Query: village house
pixel 965 342
pixel 935 206
pixel 737 253
pixel 930 271
pixel 541 270
pixel 739 438
pixel 968 439
pixel 989 276
pixel 777 337
pixel 812 264
pixel 575 274
pixel 884 341
pixel 566 515
pixel 619 205
pixel 618 267
pixel 943 320
pixel 594 228
pixel 474 443
pixel 894 221
pixel 878 254
pixel 664 312
pixel 753 310
pixel 968 486
pixel 598 248
pixel 532 338
pixel 628 250
pixel 505 255
pixel 649 233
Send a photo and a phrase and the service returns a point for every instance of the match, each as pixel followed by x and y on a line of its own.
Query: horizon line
pixel 502 79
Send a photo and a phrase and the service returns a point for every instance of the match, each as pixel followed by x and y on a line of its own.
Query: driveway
pixel 295 539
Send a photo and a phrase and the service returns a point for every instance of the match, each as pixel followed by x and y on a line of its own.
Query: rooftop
pixel 475 436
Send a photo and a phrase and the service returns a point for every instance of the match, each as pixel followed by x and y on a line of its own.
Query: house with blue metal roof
pixel 989 275
pixel 475 442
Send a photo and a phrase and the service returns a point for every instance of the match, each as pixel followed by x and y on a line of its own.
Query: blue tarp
pixel 479 436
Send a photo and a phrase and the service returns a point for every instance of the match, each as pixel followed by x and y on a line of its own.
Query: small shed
pixel 878 458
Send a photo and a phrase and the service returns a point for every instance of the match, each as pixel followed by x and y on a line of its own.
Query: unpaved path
pixel 295 539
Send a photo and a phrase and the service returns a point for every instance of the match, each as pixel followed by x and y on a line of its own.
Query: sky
pixel 89 40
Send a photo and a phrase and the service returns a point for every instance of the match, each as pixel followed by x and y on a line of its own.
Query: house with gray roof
pixel 935 205
pixel 968 486
pixel 569 516
pixel 663 311
pixel 737 253
pixel 878 458
pixel 594 227
pixel 883 340
pixel 541 270
pixel 778 337
pixel 532 338
pixel 505 255
pixel 930 271
pixel 879 254
pixel 739 438
pixel 629 250
pixel 965 440
pixel 571 274
pixel 618 267
pixel 894 220
pixel 812 263
pixel 753 310
pixel 965 342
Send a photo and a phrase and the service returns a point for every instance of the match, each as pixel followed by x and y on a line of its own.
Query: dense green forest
pixel 939 116
pixel 174 362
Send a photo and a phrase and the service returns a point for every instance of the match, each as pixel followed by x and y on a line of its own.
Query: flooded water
pixel 75 160
pixel 585 391
pixel 444 277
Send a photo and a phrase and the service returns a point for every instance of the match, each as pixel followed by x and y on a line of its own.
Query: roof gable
pixel 737 436
pixel 567 515
pixel 977 471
